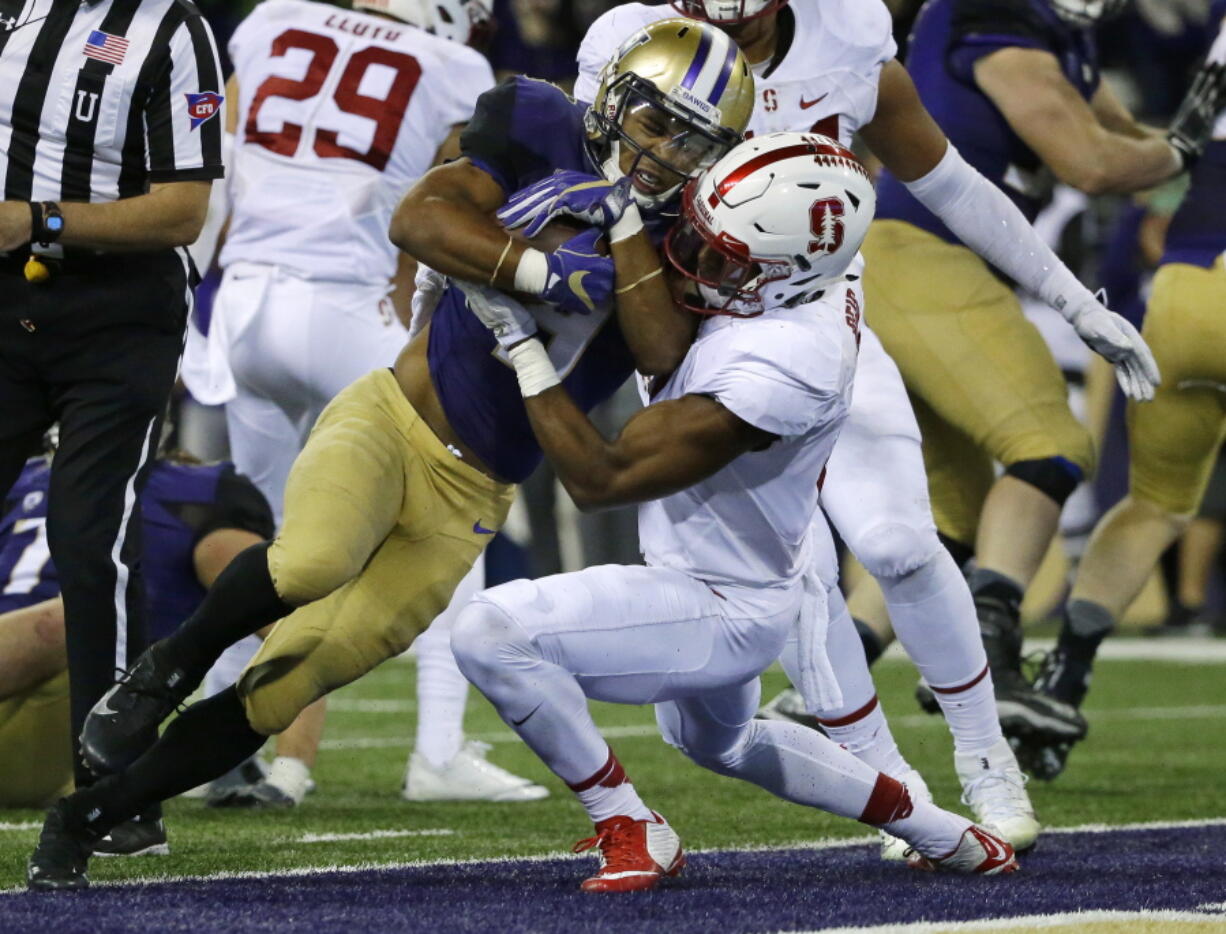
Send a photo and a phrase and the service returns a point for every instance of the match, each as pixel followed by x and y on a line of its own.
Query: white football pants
pixel 293 344
pixel 639 635
pixel 876 495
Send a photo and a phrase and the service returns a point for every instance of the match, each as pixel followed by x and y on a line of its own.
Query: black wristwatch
pixel 46 222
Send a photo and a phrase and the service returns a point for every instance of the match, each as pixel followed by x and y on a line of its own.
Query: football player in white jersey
pixel 726 463
pixel 829 66
pixel 337 113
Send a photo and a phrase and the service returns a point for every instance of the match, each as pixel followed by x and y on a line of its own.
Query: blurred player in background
pixel 194 519
pixel 335 114
pixel 1015 86
pixel 726 461
pixel 409 471
pixel 1174 441
pixel 829 66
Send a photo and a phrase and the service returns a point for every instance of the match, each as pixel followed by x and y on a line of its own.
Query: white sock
pixel 290 775
pixel 230 665
pixel 607 792
pixel 934 618
pixel 931 830
pixel 971 714
pixel 442 690
pixel 859 726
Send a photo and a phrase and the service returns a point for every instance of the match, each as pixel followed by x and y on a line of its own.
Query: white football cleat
pixel 469 776
pixel 896 849
pixel 978 852
pixel 634 854
pixel 994 788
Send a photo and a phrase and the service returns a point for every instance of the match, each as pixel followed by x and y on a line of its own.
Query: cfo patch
pixel 203 107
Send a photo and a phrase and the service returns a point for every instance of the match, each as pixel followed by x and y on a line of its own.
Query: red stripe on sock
pixel 888 802
pixel 610 775
pixel 853 716
pixel 962 687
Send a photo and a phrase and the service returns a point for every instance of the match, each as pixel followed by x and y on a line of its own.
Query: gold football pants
pixel 983 383
pixel 35 745
pixel 1174 440
pixel 381 523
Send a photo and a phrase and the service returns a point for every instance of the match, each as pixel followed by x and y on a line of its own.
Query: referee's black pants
pixel 95 348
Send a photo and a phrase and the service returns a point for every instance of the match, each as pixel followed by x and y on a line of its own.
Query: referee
pixel 110 137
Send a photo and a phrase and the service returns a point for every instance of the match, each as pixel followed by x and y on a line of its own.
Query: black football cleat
pixel 925 697
pixel 1024 712
pixel 60 859
pixel 136 837
pixel 121 724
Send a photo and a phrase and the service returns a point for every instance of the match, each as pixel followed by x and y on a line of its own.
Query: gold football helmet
pixel 674 99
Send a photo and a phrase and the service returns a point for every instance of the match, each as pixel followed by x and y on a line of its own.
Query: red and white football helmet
pixel 774 222
pixel 468 22
pixel 726 12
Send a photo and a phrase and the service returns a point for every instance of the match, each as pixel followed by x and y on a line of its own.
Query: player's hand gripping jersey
pixel 950 37
pixel 823 76
pixel 474 381
pixel 339 112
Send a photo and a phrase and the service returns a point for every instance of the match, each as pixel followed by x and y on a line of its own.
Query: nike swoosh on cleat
pixel 479 529
pixel 805 105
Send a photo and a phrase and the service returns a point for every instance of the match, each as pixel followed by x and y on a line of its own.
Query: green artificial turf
pixel 1138 764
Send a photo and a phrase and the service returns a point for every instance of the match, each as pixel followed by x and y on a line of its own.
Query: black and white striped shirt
pixel 100 99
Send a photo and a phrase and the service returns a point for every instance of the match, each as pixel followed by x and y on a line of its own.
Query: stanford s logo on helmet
pixel 771 224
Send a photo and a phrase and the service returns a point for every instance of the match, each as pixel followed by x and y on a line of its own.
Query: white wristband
pixel 533 367
pixel 532 272
pixel 630 223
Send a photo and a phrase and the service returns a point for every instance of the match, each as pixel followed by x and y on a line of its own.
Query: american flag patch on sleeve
pixel 106 48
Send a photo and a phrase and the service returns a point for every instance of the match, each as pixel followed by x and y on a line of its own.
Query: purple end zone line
pixel 1164 868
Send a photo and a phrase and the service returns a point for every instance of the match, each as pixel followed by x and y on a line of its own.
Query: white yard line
pixel 22 825
pixel 1184 651
pixel 1193 712
pixel 1054 921
pixel 826 843
pixel 371 835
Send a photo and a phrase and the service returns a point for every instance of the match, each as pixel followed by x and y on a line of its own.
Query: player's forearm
pixel 581 457
pixel 1120 163
pixel 657 331
pixel 455 240
pixel 169 215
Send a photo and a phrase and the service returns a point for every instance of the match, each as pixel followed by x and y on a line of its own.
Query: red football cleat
pixel 977 852
pixel 634 854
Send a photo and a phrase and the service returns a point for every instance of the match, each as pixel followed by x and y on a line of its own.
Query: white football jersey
pixel 826 82
pixel 339 113
pixel 788 372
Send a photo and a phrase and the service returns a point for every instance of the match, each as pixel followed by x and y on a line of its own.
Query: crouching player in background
pixel 726 461
pixel 194 519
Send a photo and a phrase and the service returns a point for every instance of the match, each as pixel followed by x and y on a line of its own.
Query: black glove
pixel 1192 126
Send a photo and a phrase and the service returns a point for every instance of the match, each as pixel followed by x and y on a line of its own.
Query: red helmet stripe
pixel 832 152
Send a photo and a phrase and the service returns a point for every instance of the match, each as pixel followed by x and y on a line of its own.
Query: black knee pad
pixel 1057 477
pixel 960 552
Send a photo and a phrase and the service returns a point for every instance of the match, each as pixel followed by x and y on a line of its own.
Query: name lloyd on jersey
pixel 366 30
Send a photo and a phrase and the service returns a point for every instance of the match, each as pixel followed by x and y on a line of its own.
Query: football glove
pixel 579 280
pixel 1192 126
pixel 509 321
pixel 596 202
pixel 1115 339
pixel 529 204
